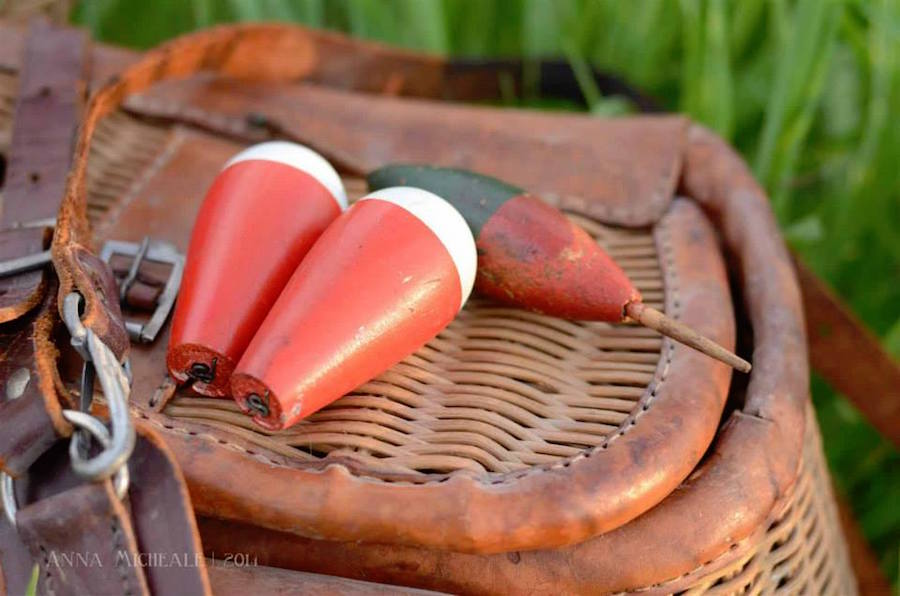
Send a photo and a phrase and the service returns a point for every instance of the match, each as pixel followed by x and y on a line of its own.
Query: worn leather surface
pixel 622 171
pixel 87 520
pixel 51 93
pixel 753 462
pixel 62 519
pixel 33 420
pixel 716 177
pixel 163 519
pixel 233 580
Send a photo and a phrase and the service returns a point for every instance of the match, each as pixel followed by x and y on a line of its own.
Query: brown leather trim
pixel 621 171
pixel 104 536
pixel 163 520
pixel 566 503
pixel 229 579
pixel 670 540
pixel 849 356
pixel 716 176
pixel 706 524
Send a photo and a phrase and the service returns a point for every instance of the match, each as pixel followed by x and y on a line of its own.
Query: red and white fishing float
pixel 387 276
pixel 261 215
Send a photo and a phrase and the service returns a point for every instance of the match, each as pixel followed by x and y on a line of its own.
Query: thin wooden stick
pixel 652 318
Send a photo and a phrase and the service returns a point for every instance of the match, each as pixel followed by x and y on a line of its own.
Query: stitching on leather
pixel 48 576
pixel 643 406
pixel 117 549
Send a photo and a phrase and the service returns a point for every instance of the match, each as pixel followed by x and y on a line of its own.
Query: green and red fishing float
pixel 532 256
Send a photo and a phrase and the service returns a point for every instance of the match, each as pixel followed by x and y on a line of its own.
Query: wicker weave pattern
pixel 124 150
pixel 800 551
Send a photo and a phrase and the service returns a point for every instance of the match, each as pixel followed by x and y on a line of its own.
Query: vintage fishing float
pixel 259 218
pixel 532 256
pixel 387 276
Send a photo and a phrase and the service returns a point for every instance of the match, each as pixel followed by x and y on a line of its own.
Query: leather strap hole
pixel 2 170
pixel 34 177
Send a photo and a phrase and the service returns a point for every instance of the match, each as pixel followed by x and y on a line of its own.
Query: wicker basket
pixel 500 394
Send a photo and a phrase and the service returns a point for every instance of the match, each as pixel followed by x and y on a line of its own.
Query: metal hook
pixel 84 422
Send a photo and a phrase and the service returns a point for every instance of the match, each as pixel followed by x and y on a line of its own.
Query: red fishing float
pixel 387 276
pixel 532 256
pixel 261 215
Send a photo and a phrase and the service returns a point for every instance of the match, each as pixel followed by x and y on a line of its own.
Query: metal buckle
pixel 158 252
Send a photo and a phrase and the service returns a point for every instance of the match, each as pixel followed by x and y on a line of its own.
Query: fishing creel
pixel 513 453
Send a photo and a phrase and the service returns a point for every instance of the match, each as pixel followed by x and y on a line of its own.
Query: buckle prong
pixel 23 264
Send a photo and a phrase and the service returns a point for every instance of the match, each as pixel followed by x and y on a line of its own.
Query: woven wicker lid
pixel 510 430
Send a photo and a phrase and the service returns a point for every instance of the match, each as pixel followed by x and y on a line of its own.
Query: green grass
pixel 807 90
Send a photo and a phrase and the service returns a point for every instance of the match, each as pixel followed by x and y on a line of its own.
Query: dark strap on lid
pixel 51 95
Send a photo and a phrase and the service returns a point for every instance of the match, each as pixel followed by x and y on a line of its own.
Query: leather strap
pixel 849 356
pixel 83 542
pixel 81 535
pixel 51 95
pixel 29 408
pixel 86 541
pixel 48 107
pixel 158 492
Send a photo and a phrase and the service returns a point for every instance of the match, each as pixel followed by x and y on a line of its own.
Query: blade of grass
pixel 799 60
pixel 706 76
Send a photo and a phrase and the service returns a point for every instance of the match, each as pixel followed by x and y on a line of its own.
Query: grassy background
pixel 807 90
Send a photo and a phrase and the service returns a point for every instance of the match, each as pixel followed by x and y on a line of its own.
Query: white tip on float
pixel 444 221
pixel 300 157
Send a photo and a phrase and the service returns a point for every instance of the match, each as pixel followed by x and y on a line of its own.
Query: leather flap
pixel 622 171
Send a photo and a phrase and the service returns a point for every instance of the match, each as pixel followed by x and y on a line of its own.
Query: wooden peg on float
pixel 532 256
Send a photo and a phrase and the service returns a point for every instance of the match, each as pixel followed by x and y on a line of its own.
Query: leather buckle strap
pixel 152 251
